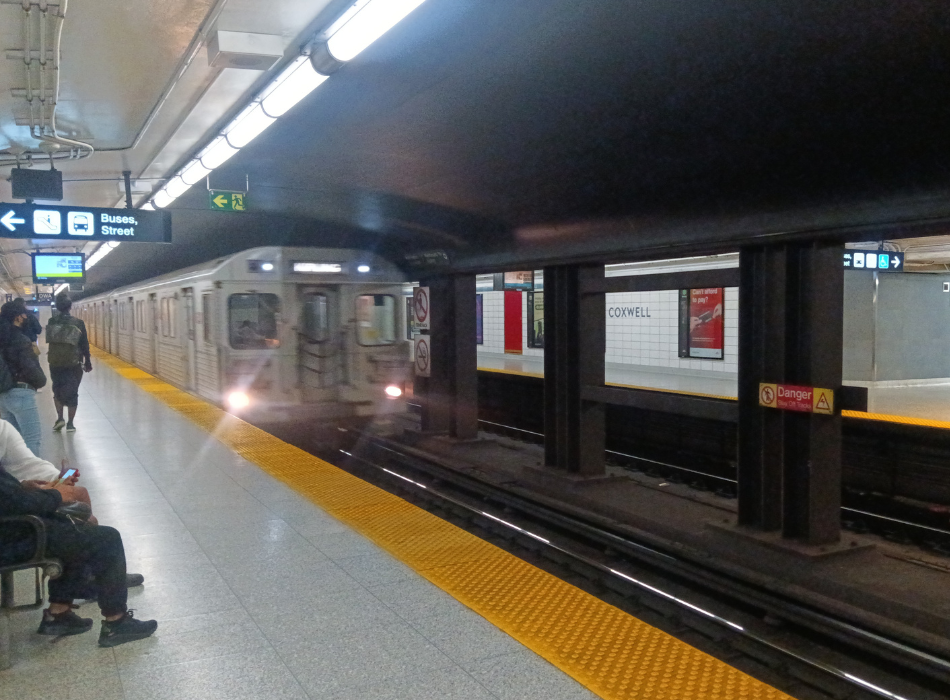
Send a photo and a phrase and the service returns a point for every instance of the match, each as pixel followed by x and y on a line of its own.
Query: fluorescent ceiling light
pixel 162 199
pixel 294 84
pixel 194 172
pixel 373 20
pixel 217 153
pixel 101 252
pixel 176 187
pixel 147 206
pixel 61 288
pixel 248 125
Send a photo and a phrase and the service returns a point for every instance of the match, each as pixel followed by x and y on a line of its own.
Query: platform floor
pixel 925 402
pixel 261 593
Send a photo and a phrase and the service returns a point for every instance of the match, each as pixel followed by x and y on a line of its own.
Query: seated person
pixel 83 549
pixel 33 472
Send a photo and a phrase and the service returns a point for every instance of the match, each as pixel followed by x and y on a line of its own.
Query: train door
pixel 319 344
pixel 153 328
pixel 114 327
pixel 191 346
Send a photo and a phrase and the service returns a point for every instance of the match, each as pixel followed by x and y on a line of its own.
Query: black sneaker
pixel 63 624
pixel 70 428
pixel 133 580
pixel 125 629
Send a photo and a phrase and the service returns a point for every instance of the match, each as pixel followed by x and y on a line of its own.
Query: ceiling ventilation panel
pixel 244 50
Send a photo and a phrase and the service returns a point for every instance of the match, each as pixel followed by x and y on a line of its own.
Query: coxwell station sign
pixel 84 223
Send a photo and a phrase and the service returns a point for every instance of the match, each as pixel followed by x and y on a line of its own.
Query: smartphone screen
pixel 66 475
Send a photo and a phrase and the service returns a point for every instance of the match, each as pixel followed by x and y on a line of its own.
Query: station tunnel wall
pixel 905 337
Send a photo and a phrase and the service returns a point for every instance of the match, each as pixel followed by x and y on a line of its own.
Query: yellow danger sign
pixel 804 399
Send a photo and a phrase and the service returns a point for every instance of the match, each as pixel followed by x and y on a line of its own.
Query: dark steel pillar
pixel 574 347
pixel 449 397
pixel 790 331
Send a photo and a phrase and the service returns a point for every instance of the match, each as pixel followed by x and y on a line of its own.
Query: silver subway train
pixel 277 332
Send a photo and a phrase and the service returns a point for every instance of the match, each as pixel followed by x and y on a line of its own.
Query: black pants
pixel 66 384
pixel 83 549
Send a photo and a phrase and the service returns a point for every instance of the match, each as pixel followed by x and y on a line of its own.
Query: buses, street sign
pixel 81 224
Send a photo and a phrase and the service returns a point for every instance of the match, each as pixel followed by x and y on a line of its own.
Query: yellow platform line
pixel 610 652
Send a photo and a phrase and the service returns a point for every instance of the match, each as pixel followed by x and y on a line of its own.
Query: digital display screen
pixel 53 267
pixel 317 268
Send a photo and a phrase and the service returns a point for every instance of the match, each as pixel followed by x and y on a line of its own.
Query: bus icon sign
pixel 80 223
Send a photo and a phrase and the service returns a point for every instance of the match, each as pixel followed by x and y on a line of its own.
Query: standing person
pixel 68 358
pixel 18 403
pixel 32 327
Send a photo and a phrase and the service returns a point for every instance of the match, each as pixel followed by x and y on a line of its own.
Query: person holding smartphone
pixel 84 550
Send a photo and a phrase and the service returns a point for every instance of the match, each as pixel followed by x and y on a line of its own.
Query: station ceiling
pixel 509 132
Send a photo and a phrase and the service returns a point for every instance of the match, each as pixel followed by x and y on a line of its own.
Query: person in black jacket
pixel 32 327
pixel 18 403
pixel 82 549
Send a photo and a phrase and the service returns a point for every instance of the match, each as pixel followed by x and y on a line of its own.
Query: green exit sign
pixel 222 200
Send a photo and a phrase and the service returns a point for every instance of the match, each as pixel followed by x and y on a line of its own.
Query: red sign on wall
pixel 804 399
pixel 705 323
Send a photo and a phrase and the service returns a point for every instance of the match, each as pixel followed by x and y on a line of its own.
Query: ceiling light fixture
pixel 362 24
pixel 366 25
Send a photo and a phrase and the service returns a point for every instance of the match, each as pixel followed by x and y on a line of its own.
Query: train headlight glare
pixel 393 391
pixel 363 268
pixel 238 399
pixel 267 267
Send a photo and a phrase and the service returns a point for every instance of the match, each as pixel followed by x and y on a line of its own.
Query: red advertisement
pixel 705 323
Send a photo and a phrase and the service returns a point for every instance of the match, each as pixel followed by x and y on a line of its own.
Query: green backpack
pixel 63 338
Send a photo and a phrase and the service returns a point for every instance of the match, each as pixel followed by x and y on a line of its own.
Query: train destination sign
pixel 805 399
pixel 874 260
pixel 84 223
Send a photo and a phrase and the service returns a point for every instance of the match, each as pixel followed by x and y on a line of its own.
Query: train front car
pixel 312 334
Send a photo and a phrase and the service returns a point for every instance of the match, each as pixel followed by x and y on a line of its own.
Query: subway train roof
pixel 496 134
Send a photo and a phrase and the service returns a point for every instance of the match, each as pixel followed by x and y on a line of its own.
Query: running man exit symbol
pixel 227 201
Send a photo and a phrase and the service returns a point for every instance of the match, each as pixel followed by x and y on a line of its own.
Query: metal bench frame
pixel 44 566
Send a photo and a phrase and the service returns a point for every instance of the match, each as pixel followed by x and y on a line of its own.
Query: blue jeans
pixel 18 407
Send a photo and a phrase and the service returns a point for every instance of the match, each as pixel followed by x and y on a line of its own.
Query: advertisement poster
pixel 522 281
pixel 479 306
pixel 705 323
pixel 536 320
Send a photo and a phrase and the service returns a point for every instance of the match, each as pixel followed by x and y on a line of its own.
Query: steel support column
pixel 575 329
pixel 790 331
pixel 449 397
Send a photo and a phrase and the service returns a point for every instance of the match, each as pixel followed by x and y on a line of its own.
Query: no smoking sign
pixel 423 356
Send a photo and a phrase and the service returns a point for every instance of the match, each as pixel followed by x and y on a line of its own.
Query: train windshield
pixel 252 321
pixel 376 319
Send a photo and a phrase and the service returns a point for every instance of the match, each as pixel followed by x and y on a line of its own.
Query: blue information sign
pixel 84 223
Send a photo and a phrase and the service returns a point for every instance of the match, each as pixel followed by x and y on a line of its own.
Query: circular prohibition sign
pixel 422 356
pixel 421 305
pixel 767 395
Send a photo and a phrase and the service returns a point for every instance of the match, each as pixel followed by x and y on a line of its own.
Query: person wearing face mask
pixel 21 375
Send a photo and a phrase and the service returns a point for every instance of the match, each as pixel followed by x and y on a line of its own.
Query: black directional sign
pixel 84 223
pixel 874 260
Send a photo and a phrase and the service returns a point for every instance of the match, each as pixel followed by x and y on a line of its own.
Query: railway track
pixel 802 650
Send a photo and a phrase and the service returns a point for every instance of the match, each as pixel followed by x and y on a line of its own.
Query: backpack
pixel 63 338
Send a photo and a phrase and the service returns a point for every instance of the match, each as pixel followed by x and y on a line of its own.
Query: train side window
pixel 172 317
pixel 207 319
pixel 163 311
pixel 376 319
pixel 316 323
pixel 252 321
pixel 140 316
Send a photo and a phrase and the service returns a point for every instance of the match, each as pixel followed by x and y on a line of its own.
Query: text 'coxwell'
pixel 628 312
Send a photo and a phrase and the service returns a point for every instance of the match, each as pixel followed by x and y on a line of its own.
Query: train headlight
pixel 238 399
pixel 393 391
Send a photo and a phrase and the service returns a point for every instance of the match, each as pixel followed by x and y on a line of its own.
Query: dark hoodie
pixel 22 362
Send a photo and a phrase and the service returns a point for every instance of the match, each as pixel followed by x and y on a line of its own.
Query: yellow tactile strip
pixel 610 652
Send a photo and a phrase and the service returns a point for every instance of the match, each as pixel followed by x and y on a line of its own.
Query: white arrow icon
pixel 8 220
pixel 896 262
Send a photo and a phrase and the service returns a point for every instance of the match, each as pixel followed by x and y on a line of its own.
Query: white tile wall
pixel 652 341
